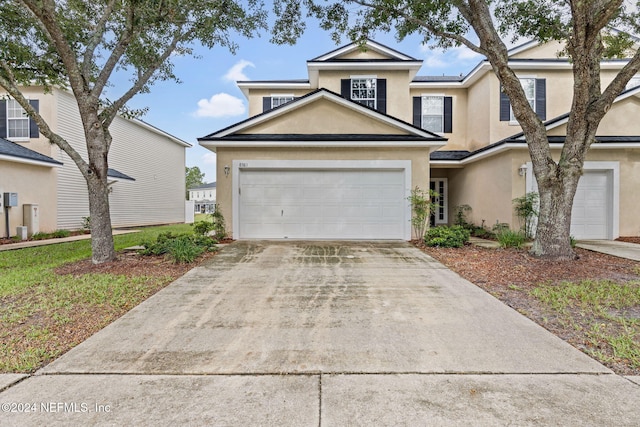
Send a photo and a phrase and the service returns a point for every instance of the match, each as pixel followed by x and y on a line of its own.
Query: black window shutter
pixel 3 119
pixel 505 107
pixel 266 103
pixel 34 132
pixel 417 111
pixel 448 113
pixel 381 95
pixel 345 88
pixel 541 98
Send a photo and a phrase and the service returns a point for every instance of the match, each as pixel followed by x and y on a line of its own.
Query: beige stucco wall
pixel 322 117
pixel 419 164
pixel 34 185
pixel 479 116
pixel 551 49
pixel 366 54
pixel 620 120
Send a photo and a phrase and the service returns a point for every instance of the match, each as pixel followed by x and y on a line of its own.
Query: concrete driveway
pixel 325 333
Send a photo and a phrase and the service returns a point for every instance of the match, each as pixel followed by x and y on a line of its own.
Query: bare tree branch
pixel 98 33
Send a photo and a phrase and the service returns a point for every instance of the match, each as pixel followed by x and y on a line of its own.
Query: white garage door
pixel 591 214
pixel 322 204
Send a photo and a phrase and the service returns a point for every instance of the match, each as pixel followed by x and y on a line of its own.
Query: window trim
pixel 24 118
pixel 359 100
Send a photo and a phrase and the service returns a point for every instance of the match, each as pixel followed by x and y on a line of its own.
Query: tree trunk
pixel 102 248
pixel 554 218
pixel 98 141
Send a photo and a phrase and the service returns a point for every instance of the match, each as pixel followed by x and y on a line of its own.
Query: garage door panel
pixel 591 212
pixel 333 204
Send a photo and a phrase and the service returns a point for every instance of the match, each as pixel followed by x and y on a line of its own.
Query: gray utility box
pixel 10 200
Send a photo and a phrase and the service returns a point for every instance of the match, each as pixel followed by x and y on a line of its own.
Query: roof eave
pixel 24 160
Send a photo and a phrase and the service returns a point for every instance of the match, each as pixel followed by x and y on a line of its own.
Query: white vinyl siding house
pixel 154 159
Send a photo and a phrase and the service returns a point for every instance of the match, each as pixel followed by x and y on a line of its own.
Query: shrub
pixel 61 233
pixel 40 236
pixel 511 239
pixel 183 249
pixel 86 223
pixel 422 206
pixel 447 237
pixel 461 216
pixel 202 228
pixel 219 228
pixel 526 208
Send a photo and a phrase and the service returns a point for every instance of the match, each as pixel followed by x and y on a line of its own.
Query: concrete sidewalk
pixel 612 247
pixel 322 333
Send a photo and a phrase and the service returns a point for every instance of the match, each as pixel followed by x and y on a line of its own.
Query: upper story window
pixel 278 100
pixel 635 81
pixel 535 91
pixel 433 113
pixel 529 86
pixel 364 90
pixel 15 124
pixel 17 121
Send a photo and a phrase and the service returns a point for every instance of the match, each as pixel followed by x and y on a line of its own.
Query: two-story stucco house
pixel 146 172
pixel 335 156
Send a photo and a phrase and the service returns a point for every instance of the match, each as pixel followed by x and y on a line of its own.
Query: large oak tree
pixel 586 27
pixel 81 45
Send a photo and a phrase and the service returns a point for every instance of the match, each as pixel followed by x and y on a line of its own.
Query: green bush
pixel 40 236
pixel 183 250
pixel 203 228
pixel 180 248
pixel 447 237
pixel 511 239
pixel 61 233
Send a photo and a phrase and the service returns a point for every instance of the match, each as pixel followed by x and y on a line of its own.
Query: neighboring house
pixel 203 197
pixel 146 176
pixel 336 155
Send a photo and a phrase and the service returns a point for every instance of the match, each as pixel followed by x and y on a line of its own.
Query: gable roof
pixel 232 136
pixel 393 54
pixel 13 152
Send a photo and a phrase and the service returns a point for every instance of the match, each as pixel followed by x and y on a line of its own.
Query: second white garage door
pixel 591 214
pixel 322 204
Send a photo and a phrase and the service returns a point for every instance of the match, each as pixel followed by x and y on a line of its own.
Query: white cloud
pixel 236 72
pixel 463 53
pixel 209 159
pixel 220 105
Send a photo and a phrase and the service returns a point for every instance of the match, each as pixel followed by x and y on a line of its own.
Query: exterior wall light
pixel 522 170
pixel 227 169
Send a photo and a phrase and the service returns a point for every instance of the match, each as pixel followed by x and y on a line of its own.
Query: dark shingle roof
pixel 8 148
pixel 449 155
pixel 204 186
pixel 112 173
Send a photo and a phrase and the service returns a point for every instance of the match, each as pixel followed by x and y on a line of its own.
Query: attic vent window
pixel 363 90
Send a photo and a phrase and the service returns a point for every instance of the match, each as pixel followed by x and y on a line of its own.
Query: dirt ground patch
pixel 511 275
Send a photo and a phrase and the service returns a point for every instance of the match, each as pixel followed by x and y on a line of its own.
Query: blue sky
pixel 208 98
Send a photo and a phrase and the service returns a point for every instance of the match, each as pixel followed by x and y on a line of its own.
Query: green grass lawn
pixel 39 308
